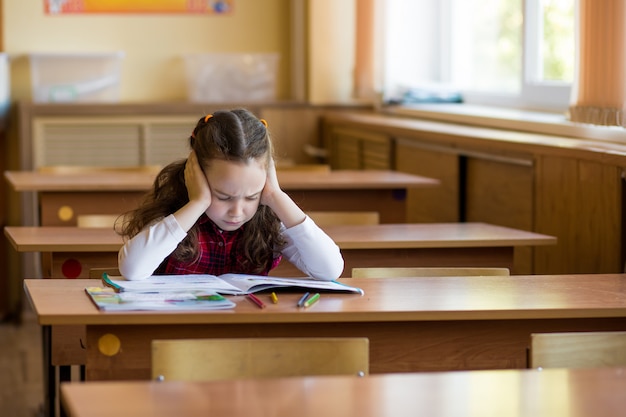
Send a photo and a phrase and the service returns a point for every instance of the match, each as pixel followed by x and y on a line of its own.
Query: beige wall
pixel 330 45
pixel 153 68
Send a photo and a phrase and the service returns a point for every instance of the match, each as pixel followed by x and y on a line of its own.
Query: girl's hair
pixel 235 135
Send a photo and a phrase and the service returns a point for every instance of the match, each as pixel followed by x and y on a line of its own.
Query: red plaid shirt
pixel 216 254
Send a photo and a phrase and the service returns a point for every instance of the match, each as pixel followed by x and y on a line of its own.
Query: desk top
pixel 63 301
pixel 142 181
pixel 381 236
pixel 520 393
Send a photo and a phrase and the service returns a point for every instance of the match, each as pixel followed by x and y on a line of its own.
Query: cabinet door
pixel 437 204
pixel 345 151
pixel 357 149
pixel 376 152
pixel 499 190
pixel 579 202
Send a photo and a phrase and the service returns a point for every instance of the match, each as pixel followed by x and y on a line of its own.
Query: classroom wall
pixel 153 69
pixel 330 43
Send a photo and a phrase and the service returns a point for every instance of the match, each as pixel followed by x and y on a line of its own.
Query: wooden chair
pixel 336 218
pixel 97 220
pixel 578 349
pixel 220 359
pixel 393 272
pixel 96 273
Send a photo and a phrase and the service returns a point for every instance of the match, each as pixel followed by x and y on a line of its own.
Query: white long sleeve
pixel 311 250
pixel 308 247
pixel 141 255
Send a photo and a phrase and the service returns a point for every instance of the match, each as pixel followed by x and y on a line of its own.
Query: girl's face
pixel 236 190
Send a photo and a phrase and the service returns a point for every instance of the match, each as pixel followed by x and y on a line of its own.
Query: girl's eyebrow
pixel 222 193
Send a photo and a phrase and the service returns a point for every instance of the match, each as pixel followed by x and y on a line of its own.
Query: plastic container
pixel 231 77
pixel 76 77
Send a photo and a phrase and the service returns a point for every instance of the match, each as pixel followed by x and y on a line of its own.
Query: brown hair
pixel 235 135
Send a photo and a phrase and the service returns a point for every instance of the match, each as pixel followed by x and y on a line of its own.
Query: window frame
pixel 534 94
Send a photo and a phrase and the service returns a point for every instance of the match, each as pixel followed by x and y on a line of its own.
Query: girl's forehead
pixel 236 177
pixel 224 165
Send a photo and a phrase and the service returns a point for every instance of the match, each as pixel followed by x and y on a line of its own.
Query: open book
pixel 233 284
pixel 107 299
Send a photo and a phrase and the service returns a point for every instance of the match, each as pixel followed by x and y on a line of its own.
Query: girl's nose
pixel 236 208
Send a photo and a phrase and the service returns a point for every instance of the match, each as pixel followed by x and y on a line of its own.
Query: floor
pixel 21 368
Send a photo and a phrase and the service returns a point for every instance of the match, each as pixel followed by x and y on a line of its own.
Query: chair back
pixel 96 273
pixel 97 220
pixel 394 272
pixel 338 218
pixel 578 349
pixel 221 359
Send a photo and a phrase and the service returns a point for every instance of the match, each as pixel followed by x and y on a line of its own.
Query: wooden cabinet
pixel 581 202
pixel 359 149
pixel 499 190
pixel 437 204
pixel 475 187
pixel 568 188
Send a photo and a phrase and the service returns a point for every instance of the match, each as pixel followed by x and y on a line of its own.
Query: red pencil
pixel 256 300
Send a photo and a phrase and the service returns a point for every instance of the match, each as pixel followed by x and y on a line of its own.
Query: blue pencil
pixel 303 299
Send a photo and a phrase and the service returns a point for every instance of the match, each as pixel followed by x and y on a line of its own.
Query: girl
pixel 222 211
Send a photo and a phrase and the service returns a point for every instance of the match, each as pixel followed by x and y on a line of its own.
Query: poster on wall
pixel 54 7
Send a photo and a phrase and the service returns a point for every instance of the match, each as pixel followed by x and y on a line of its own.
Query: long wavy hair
pixel 235 135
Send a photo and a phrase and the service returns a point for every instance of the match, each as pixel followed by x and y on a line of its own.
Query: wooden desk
pixel 69 252
pixel 520 393
pixel 62 197
pixel 413 324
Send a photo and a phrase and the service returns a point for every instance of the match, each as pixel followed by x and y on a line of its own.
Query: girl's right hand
pixel 196 182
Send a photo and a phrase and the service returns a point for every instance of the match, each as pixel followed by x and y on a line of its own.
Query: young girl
pixel 222 211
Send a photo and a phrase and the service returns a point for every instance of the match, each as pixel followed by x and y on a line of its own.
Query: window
pixel 511 53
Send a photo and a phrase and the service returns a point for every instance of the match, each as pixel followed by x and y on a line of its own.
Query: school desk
pixel 69 252
pixel 413 324
pixel 519 393
pixel 63 197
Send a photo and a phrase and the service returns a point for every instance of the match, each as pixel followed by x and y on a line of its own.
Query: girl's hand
pixel 197 185
pixel 281 204
pixel 271 185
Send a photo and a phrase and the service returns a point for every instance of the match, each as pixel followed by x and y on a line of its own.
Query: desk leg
pixel 65 374
pixel 49 374
pixel 51 380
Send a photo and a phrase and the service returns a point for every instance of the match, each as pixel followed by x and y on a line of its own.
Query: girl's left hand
pixel 271 185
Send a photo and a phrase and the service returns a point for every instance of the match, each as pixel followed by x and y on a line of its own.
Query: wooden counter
pixel 566 187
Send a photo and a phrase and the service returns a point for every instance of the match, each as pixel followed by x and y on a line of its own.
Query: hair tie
pixel 206 119
pixel 264 122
